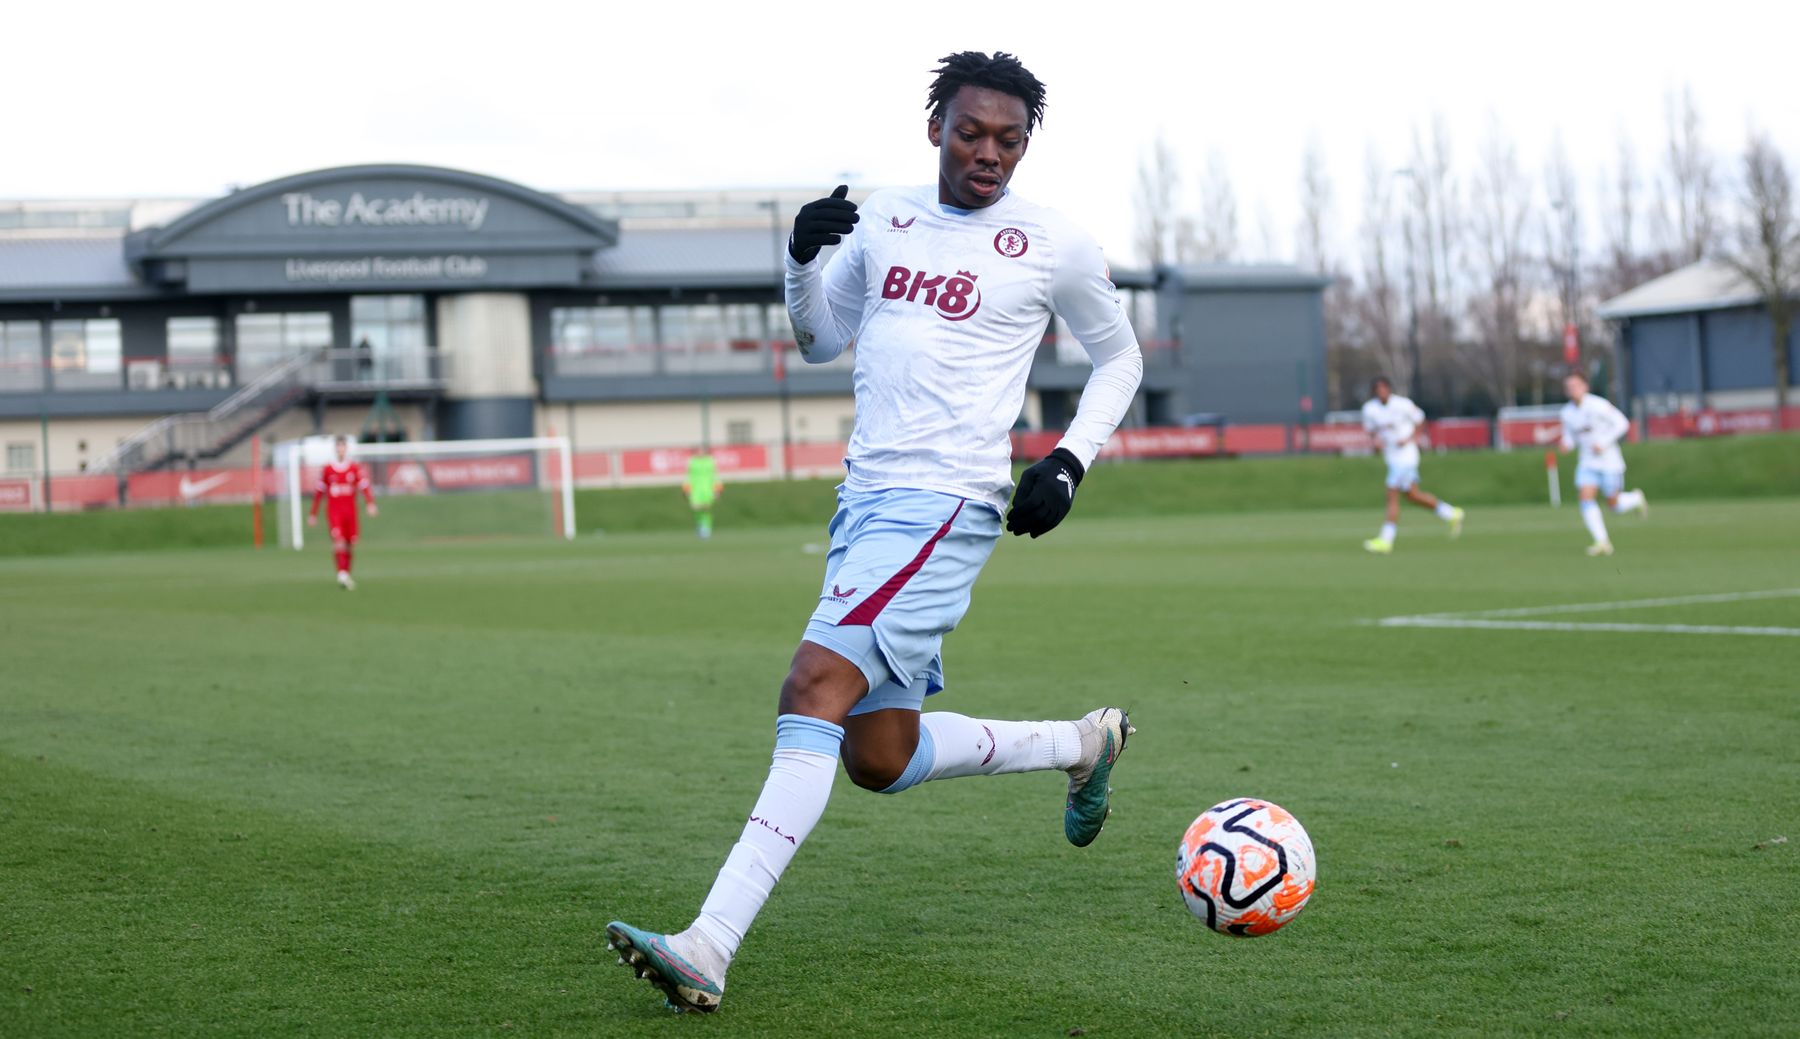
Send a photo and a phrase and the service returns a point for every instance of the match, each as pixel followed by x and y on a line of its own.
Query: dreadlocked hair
pixel 1002 72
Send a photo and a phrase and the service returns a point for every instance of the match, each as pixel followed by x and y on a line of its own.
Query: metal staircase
pixel 207 434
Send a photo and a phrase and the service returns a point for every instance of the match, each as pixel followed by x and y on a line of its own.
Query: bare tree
pixel 1164 234
pixel 1686 213
pixel 1562 231
pixel 1378 322
pixel 1768 249
pixel 1502 200
pixel 1218 211
pixel 1315 207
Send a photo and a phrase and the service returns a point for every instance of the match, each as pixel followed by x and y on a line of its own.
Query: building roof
pixel 91 264
pixel 1705 285
pixel 707 258
pixel 1259 276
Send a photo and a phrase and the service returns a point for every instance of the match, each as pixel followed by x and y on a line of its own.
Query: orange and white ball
pixel 1245 867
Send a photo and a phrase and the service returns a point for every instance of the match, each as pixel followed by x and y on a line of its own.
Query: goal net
pixel 437 490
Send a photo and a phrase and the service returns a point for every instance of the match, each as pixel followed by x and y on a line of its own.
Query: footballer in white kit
pixel 1593 427
pixel 945 292
pixel 1394 421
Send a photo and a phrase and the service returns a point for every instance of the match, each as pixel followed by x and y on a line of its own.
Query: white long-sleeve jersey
pixel 946 308
pixel 1595 423
pixel 1394 423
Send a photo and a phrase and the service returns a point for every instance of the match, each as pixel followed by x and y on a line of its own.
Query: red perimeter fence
pixel 668 465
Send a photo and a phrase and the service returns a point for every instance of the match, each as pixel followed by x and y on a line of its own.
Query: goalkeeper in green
pixel 702 488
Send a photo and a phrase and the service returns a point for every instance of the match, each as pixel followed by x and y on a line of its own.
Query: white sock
pixel 1388 530
pixel 1445 510
pixel 793 798
pixel 1595 520
pixel 980 747
pixel 1629 500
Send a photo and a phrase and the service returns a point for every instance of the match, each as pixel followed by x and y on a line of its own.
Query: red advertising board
pixel 188 486
pixel 826 458
pixel 1534 432
pixel 423 475
pixel 1337 438
pixel 1711 423
pixel 1162 442
pixel 1460 433
pixel 672 461
pixel 591 466
pixel 15 495
pixel 84 492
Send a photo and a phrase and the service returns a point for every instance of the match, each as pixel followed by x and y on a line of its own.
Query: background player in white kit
pixel 946 292
pixel 1594 427
pixel 1394 422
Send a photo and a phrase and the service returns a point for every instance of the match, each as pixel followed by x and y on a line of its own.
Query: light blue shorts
pixel 898 577
pixel 1610 481
pixel 1402 477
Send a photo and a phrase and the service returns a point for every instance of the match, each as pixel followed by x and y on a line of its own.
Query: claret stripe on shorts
pixel 870 608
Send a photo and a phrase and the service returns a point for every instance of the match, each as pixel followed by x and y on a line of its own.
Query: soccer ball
pixel 1245 867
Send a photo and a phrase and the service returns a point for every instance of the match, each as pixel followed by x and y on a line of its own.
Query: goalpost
pixel 444 490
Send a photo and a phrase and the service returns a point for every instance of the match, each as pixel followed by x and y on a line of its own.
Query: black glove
pixel 821 223
pixel 1046 491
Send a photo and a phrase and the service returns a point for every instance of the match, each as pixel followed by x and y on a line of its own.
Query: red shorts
pixel 342 522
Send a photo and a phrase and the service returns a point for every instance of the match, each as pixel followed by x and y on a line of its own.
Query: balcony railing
pixel 204 434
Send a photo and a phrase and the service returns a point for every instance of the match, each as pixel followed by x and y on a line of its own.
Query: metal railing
pixel 204 434
pixel 198 434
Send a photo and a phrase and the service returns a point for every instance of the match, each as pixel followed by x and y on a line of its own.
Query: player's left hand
pixel 1045 495
pixel 372 509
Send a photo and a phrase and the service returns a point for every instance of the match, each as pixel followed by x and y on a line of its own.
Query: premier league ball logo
pixel 1011 242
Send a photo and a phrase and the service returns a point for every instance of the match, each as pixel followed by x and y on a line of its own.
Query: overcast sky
pixel 185 99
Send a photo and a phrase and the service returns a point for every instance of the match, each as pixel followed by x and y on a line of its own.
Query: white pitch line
pixel 1625 604
pixel 1487 618
pixel 1657 629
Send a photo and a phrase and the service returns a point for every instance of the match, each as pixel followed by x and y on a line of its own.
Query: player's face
pixel 343 451
pixel 1383 391
pixel 979 141
pixel 1576 387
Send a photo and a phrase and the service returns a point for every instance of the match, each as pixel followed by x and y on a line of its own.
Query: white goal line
pixel 1490 619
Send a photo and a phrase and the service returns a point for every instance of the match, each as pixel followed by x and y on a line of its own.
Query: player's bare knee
pixel 876 769
pixel 821 684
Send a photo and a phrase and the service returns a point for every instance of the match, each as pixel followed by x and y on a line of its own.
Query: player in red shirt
pixel 339 481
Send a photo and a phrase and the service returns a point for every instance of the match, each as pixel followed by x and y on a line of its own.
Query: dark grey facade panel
pixel 1664 355
pixel 1251 355
pixel 107 403
pixel 621 389
pixel 1738 355
pixel 483 418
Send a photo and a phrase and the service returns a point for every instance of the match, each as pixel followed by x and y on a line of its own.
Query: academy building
pixel 424 303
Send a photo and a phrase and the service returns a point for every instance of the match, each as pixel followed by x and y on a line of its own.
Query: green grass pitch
pixel 235 800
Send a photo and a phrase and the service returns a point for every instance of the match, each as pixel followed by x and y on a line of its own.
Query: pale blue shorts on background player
pixel 1610 481
pixel 1402 477
pixel 897 577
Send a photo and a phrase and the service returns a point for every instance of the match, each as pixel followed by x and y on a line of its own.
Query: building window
pixel 85 354
pixel 21 356
pixel 194 354
pixel 712 337
pixel 603 340
pixel 739 431
pixel 392 329
pixel 266 340
pixel 21 456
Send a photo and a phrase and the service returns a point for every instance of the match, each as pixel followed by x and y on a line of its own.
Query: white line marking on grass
pixel 1626 604
pixel 1487 619
pixel 1661 629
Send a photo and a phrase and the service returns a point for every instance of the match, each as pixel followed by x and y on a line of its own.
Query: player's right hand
pixel 312 520
pixel 820 223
